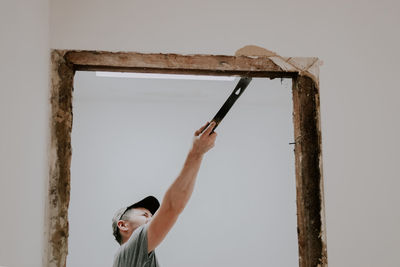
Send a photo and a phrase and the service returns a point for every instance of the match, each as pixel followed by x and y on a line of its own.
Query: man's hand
pixel 202 142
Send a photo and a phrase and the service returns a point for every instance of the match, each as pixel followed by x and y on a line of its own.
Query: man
pixel 141 227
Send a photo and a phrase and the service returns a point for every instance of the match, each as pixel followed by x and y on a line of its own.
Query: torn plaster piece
pixel 302 63
pixel 314 69
pixel 281 62
pixel 254 51
pixel 308 66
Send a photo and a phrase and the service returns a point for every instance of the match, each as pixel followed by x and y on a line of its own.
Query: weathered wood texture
pixel 62 76
pixel 309 182
pixel 173 63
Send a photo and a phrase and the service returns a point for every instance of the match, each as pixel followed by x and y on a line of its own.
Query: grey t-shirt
pixel 133 253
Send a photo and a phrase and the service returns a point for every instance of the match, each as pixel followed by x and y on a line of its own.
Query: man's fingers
pixel 199 131
pixel 210 128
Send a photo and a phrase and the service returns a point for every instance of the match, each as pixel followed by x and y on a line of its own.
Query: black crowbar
pixel 237 92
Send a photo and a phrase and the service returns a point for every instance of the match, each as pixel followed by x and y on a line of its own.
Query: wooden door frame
pixel 311 227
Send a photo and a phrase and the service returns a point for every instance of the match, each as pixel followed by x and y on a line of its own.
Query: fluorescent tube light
pixel 163 76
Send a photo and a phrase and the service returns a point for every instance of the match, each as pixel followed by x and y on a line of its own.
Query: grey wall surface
pixel 130 138
pixel 24 129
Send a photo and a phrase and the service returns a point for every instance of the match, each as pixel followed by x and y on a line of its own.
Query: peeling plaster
pixel 305 66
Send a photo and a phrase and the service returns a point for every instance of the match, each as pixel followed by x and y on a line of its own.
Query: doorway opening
pixel 306 125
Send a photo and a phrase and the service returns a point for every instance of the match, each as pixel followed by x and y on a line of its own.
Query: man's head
pixel 127 220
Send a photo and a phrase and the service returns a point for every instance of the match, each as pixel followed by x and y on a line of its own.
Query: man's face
pixel 138 217
pixel 133 218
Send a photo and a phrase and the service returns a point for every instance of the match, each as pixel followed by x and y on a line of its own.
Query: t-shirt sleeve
pixel 135 249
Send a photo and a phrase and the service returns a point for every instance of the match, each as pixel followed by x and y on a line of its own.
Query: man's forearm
pixel 178 194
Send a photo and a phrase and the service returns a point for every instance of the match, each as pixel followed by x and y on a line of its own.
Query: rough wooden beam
pixel 173 63
pixel 309 182
pixel 62 75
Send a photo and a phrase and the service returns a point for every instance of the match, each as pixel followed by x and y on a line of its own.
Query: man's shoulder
pixel 139 236
pixel 133 251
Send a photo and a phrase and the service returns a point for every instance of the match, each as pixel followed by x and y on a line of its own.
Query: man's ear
pixel 123 225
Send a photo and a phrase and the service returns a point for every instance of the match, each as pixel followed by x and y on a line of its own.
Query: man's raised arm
pixel 178 194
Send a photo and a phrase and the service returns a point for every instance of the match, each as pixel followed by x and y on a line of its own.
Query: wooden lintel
pixel 173 63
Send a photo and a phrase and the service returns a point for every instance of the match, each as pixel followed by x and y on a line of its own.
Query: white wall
pixel 24 43
pixel 358 42
pixel 130 138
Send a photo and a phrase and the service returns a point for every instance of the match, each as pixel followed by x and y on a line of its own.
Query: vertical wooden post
pixel 309 182
pixel 60 160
